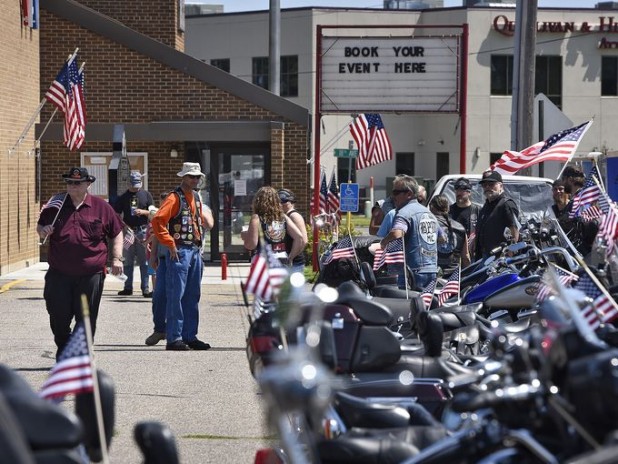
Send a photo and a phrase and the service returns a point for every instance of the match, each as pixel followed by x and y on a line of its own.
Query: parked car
pixel 532 194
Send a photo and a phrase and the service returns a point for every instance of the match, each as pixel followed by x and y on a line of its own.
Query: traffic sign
pixel 349 198
pixel 345 153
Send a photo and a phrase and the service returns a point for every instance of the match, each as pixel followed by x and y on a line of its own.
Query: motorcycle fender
pixel 520 294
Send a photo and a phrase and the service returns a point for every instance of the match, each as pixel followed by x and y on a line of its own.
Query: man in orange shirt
pixel 180 225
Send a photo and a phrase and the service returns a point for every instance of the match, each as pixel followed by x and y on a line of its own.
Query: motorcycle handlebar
pixel 466 402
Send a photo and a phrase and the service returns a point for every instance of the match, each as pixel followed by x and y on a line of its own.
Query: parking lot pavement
pixel 208 399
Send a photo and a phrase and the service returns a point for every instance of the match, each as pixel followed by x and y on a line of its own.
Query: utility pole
pixel 274 47
pixel 524 56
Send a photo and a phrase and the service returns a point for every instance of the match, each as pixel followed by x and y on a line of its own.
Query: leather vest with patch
pixel 185 228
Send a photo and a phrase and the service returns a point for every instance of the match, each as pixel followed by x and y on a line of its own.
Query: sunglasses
pixel 193 177
pixel 74 182
pixel 397 191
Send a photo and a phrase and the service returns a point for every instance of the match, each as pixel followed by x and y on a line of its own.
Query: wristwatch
pixel 121 258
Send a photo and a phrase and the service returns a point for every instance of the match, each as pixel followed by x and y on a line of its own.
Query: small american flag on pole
pixel 266 274
pixel 393 254
pixel 55 202
pixel 589 193
pixel 343 249
pixel 73 371
pixel 559 147
pixel 372 141
pixel 333 194
pixel 323 194
pixel 565 278
pixel 75 116
pixel 128 239
pixel 427 294
pixel 602 309
pixel 450 288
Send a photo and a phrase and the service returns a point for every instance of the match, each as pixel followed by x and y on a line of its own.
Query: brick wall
pixel 19 85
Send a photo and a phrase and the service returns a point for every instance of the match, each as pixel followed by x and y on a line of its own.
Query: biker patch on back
pixel 275 231
pixel 427 229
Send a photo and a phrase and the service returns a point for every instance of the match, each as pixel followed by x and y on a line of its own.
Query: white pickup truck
pixel 532 194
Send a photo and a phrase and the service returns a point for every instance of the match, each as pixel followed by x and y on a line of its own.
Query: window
pixel 404 163
pixel 259 72
pixel 442 164
pixel 501 74
pixel 548 76
pixel 288 77
pixel 609 76
pixel 222 63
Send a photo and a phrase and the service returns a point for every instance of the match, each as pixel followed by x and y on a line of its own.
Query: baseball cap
pixel 462 184
pixel 491 176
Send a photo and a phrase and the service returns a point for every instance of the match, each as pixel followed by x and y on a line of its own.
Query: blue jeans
pixel 159 297
pixel 183 280
pixel 136 251
pixel 421 280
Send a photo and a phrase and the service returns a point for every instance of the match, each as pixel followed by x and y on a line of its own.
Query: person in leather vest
pixel 497 214
pixel 452 237
pixel 180 225
pixel 269 218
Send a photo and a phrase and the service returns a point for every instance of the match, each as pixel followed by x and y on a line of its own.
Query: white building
pixel 576 69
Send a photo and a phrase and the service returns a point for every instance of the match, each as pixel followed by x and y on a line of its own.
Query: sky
pixel 231 6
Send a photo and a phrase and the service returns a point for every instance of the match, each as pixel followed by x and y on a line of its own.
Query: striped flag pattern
pixel 393 254
pixel 372 141
pixel 333 194
pixel 323 194
pixel 588 194
pixel 73 371
pixel 343 249
pixel 559 147
pixel 128 239
pixel 608 229
pixel 266 274
pixel 565 278
pixel 602 309
pixel 75 117
pixel 55 202
pixel 450 288
pixel 427 294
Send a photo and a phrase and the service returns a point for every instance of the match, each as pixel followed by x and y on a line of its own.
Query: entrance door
pixel 238 172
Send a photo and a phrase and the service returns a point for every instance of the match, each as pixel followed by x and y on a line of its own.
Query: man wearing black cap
pixel 77 228
pixel 498 213
pixel 463 210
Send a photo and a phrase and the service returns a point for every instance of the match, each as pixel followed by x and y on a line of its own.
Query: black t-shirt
pixel 466 216
pixel 129 201
pixel 494 217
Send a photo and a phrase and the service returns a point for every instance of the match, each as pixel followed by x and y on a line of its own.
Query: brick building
pixel 173 107
pixel 19 86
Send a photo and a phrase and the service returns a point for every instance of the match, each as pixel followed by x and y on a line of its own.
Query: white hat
pixel 191 169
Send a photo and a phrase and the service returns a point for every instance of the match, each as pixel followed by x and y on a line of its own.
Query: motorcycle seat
pixel 401 308
pixel 369 311
pixel 452 320
pixel 359 412
pixel 425 366
pixel 351 449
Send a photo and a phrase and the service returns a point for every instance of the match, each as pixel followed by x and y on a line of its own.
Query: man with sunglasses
pixel 419 228
pixel 180 225
pixel 77 227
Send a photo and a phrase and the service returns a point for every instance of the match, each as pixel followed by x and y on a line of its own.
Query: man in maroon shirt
pixel 77 226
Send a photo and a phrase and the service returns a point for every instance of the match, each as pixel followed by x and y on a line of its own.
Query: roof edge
pixel 116 31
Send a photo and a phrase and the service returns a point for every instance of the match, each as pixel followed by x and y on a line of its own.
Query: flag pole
pixel 36 112
pixel 56 217
pixel 406 272
pixel 95 380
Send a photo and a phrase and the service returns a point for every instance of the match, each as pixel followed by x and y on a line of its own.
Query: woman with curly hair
pixel 452 237
pixel 269 217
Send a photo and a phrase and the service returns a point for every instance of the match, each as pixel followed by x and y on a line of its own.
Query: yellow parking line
pixel 5 287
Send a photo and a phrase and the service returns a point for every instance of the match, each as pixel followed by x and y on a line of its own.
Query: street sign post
pixel 345 153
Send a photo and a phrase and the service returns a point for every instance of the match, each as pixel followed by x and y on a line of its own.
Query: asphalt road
pixel 208 399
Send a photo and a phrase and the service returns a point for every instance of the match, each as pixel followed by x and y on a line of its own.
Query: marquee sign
pixel 388 74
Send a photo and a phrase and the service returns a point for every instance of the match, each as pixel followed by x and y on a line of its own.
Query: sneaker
pixel 198 345
pixel 125 292
pixel 178 345
pixel 155 338
pixel 147 294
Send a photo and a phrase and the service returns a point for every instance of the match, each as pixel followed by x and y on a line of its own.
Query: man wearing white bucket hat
pixel 180 225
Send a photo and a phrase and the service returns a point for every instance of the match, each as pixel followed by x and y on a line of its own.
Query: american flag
pixel 427 294
pixel 343 249
pixel 559 147
pixel 371 139
pixel 471 238
pixel 333 194
pixel 323 194
pixel 450 288
pixel 57 92
pixel 602 309
pixel 266 274
pixel 393 254
pixel 608 229
pixel 588 194
pixel 128 239
pixel 565 278
pixel 55 202
pixel 591 213
pixel 72 373
pixel 75 117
